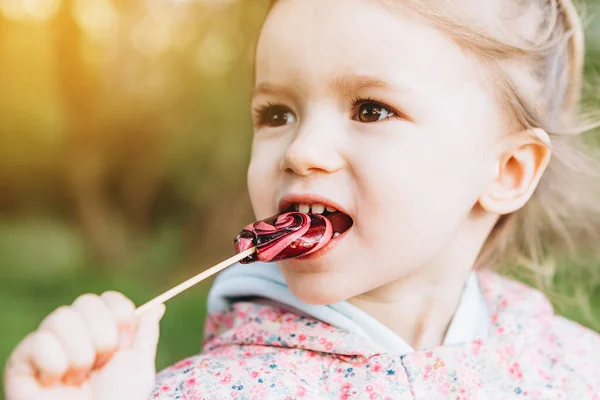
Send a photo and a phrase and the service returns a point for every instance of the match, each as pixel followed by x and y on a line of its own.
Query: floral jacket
pixel 254 352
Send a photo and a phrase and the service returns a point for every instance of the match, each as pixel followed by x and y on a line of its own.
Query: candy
pixel 288 235
pixel 284 236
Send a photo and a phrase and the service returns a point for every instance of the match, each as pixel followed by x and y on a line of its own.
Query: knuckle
pixel 85 300
pixel 43 338
pixel 63 312
pixel 105 333
pixel 119 302
pixel 44 342
pixel 114 295
pixel 47 351
pixel 60 316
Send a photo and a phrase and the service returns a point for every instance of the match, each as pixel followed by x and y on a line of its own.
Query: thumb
pixel 146 339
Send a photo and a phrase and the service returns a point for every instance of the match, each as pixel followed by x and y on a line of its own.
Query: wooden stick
pixel 193 281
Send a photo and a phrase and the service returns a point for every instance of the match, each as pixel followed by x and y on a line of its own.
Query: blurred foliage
pixel 119 115
pixel 124 138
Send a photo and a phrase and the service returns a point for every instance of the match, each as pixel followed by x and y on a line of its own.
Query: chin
pixel 317 296
pixel 317 287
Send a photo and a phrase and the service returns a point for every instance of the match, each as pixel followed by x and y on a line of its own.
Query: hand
pixel 95 349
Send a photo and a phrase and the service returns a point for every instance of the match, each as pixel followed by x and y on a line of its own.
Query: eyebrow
pixel 267 88
pixel 349 83
pixel 352 83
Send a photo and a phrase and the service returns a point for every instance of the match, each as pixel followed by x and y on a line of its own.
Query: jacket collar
pixel 513 307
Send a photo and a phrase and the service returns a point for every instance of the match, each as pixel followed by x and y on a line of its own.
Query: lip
pixel 308 199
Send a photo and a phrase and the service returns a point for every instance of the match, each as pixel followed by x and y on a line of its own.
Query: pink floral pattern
pixel 254 352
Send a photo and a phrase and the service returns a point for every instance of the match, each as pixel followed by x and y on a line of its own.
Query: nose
pixel 314 149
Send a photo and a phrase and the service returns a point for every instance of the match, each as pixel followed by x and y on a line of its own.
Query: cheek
pixel 417 194
pixel 418 170
pixel 262 181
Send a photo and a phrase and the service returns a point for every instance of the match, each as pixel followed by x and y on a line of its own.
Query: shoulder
pixel 508 296
pixel 519 309
pixel 581 344
pixel 574 349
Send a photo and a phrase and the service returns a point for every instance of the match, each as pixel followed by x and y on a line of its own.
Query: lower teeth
pixel 336 234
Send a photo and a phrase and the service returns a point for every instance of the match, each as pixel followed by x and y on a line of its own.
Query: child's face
pixel 385 117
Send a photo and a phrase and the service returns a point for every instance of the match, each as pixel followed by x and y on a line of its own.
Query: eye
pixel 274 115
pixel 372 111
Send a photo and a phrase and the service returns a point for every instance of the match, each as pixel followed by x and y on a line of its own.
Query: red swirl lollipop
pixel 288 235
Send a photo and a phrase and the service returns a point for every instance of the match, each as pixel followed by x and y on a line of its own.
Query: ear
pixel 520 168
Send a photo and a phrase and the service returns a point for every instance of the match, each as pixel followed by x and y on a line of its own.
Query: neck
pixel 419 306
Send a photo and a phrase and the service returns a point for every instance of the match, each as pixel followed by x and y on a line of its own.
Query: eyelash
pixel 260 112
pixel 359 101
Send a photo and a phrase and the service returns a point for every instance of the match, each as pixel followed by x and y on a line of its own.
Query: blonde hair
pixel 534 54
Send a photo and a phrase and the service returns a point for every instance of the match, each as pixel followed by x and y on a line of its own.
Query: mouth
pixel 340 221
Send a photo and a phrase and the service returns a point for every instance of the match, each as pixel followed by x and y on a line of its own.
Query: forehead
pixel 307 40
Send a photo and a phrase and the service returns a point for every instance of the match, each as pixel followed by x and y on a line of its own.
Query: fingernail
pixel 103 358
pixel 75 376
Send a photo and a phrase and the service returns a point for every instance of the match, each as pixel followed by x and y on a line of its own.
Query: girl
pixel 444 134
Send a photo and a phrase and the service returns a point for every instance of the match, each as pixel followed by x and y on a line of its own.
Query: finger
pixel 70 330
pixel 49 357
pixel 121 306
pixel 123 311
pixel 39 355
pixel 146 340
pixel 101 326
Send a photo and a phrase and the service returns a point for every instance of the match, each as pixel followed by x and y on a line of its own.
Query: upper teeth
pixel 314 208
pixel 318 208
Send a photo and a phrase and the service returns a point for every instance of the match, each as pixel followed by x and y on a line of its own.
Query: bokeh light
pixel 19 10
pixel 215 54
pixel 99 19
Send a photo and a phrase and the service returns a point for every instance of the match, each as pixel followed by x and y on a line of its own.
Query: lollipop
pixel 289 235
